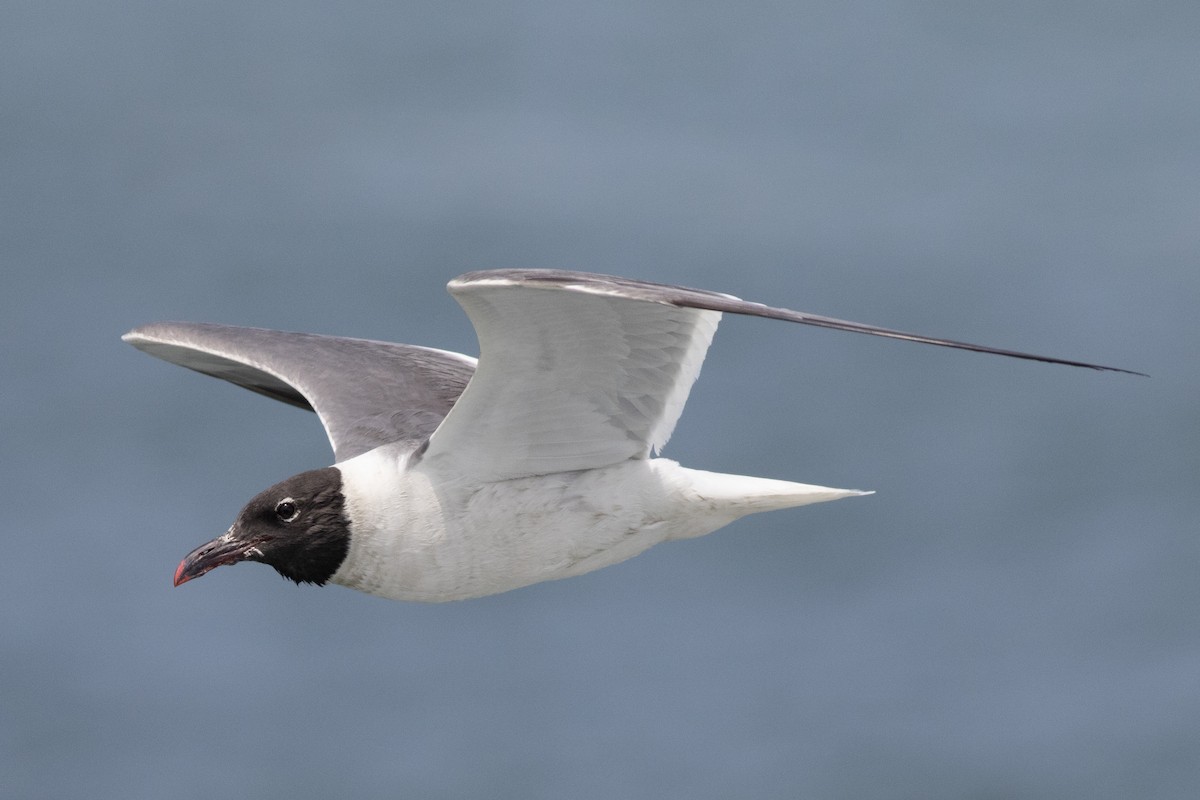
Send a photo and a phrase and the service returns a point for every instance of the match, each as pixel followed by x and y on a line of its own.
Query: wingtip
pixel 141 333
pixel 149 334
pixel 1129 372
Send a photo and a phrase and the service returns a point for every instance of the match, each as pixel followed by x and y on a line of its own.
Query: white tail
pixel 728 497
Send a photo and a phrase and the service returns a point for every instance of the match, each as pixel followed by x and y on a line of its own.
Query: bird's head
pixel 298 526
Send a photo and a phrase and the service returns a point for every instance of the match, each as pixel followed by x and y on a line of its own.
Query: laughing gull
pixel 456 478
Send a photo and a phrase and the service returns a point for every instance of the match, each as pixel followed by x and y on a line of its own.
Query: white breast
pixel 416 537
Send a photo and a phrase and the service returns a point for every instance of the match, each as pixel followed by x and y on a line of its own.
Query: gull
pixel 457 478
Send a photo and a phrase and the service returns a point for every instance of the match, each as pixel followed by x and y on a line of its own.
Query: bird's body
pixel 438 538
pixel 456 478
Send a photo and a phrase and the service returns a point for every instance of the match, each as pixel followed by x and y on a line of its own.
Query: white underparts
pixel 416 535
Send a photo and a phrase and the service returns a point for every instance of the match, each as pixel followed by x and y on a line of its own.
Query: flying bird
pixel 457 478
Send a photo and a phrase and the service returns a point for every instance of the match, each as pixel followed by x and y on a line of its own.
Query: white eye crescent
pixel 287 510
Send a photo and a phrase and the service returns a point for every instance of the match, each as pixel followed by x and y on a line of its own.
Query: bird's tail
pixel 733 496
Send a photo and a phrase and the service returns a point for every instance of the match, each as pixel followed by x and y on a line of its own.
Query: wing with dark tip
pixel 680 296
pixel 579 371
pixel 366 393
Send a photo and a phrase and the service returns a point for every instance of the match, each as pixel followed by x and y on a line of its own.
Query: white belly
pixel 451 542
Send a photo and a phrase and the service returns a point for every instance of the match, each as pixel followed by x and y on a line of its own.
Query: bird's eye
pixel 286 509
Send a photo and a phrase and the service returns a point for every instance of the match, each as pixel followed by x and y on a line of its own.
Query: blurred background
pixel 1013 614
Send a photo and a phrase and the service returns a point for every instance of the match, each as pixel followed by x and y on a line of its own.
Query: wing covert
pixel 568 378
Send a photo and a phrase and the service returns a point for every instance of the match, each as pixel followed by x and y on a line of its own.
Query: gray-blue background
pixel 1014 614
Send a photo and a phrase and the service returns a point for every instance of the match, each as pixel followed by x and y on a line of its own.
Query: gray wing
pixel 366 393
pixel 579 371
